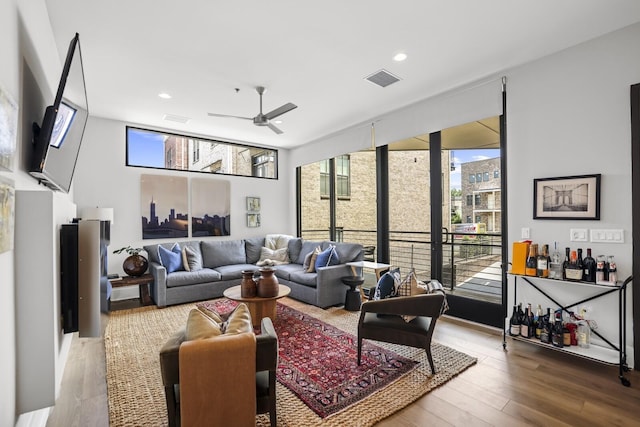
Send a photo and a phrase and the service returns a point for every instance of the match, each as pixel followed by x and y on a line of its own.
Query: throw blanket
pixel 275 250
pixel 436 287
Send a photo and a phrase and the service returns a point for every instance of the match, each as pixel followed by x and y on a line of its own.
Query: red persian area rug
pixel 318 362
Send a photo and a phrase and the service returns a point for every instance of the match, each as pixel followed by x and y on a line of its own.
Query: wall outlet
pixel 525 233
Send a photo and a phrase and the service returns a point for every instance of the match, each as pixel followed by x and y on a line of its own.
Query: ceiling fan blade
pixel 227 115
pixel 274 128
pixel 280 111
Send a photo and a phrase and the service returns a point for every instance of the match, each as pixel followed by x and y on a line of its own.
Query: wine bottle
pixel 565 264
pixel 579 261
pixel 584 331
pixel 573 272
pixel 543 262
pixel 514 323
pixel 613 271
pixel 526 327
pixel 537 319
pixel 589 265
pixel 531 265
pixel 545 331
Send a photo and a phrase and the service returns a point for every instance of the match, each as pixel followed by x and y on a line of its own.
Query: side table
pixel 352 300
pixel 143 283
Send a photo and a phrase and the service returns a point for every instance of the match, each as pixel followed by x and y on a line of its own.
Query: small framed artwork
pixel 253 220
pixel 568 197
pixel 253 204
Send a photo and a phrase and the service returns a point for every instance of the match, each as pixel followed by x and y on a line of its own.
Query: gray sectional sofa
pixel 223 262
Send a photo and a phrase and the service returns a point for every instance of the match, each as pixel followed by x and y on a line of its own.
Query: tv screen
pixel 57 140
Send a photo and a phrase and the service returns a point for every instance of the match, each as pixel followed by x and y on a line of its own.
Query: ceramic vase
pixel 268 283
pixel 248 285
pixel 135 265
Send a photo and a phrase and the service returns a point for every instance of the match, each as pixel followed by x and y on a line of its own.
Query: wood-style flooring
pixel 525 385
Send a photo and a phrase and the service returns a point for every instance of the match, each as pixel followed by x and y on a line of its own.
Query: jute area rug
pixel 134 337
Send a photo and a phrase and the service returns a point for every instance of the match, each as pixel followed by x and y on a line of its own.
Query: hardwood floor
pixel 525 385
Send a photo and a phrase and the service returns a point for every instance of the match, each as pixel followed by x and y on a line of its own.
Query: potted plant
pixel 135 264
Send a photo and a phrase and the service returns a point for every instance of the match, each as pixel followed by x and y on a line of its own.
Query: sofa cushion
pixel 304 278
pixel 347 252
pixel 284 271
pixel 252 248
pixel 294 246
pixel 186 278
pixel 171 259
pixel 233 272
pixel 228 252
pixel 307 246
pixel 191 259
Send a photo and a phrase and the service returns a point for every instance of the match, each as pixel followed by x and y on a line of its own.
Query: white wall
pixel 569 114
pixel 103 180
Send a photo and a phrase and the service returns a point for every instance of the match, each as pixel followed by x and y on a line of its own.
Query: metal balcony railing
pixel 471 262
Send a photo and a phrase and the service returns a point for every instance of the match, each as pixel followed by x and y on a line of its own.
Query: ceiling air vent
pixel 382 78
pixel 177 119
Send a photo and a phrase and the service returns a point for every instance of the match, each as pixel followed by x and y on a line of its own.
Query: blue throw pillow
pixel 387 285
pixel 327 257
pixel 170 259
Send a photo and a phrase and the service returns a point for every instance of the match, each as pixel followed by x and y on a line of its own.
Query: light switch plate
pixel 607 235
pixel 525 233
pixel 578 235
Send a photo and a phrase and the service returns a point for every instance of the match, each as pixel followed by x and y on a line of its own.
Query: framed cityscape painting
pixel 210 207
pixel 567 197
pixel 164 207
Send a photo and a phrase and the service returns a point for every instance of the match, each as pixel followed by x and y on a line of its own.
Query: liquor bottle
pixel 537 319
pixel 543 262
pixel 532 260
pixel 584 331
pixel 589 265
pixel 565 264
pixel 613 271
pixel 545 332
pixel 573 272
pixel 600 269
pixel 514 323
pixel 557 337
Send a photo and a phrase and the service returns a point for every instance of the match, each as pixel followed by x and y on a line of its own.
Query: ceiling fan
pixel 263 119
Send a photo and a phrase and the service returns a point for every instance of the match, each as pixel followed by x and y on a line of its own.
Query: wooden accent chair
pixel 382 320
pixel 266 362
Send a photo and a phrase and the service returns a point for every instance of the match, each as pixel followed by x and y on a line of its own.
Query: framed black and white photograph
pixel 568 197
pixel 253 204
pixel 253 220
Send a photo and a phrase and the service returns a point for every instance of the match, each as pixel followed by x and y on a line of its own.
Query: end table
pixel 143 283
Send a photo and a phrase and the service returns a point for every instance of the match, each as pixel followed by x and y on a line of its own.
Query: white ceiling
pixel 314 54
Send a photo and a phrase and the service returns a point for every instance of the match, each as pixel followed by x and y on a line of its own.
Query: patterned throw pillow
pixel 311 266
pixel 387 285
pixel 170 259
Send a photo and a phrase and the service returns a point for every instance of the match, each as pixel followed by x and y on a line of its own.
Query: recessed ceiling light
pixel 278 122
pixel 164 95
pixel 400 57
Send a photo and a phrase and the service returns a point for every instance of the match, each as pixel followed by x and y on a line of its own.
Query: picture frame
pixel 568 197
pixel 253 220
pixel 253 204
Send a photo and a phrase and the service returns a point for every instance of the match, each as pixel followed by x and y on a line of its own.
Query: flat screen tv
pixel 56 142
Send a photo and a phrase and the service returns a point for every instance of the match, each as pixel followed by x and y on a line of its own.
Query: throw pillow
pixel 307 261
pixel 239 321
pixel 327 257
pixel 191 259
pixel 200 326
pixel 273 256
pixel 409 286
pixel 312 261
pixel 212 314
pixel 387 285
pixel 170 259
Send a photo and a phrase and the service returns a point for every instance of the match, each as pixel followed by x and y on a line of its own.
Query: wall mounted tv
pixel 56 142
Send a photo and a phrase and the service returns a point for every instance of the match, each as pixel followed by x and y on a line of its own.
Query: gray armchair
pixel 381 321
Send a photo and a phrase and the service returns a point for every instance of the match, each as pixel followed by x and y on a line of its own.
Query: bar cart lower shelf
pixel 612 355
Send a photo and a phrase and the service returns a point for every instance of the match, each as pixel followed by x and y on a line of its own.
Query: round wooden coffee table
pixel 258 307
